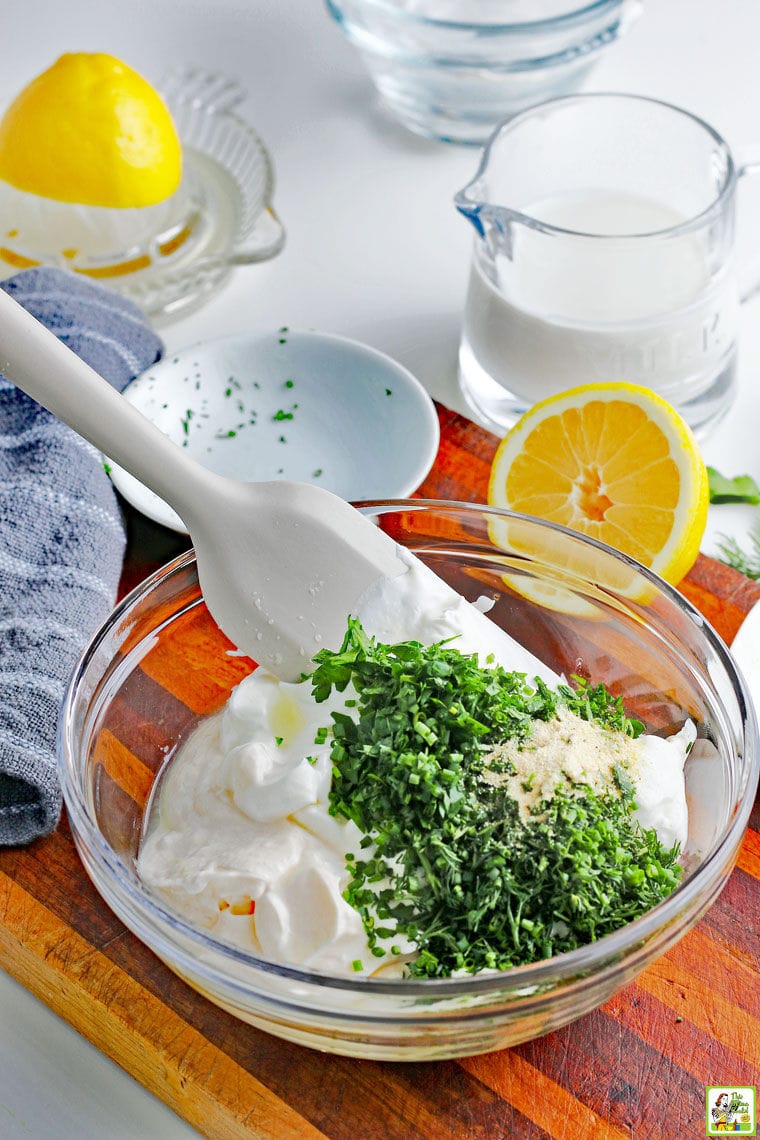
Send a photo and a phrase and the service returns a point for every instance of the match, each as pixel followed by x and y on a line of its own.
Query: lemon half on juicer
pixel 90 170
pixel 91 130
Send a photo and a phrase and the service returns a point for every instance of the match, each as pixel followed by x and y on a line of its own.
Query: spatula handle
pixel 41 365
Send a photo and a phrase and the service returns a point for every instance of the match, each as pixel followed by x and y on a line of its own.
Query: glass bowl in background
pixel 159 665
pixel 452 70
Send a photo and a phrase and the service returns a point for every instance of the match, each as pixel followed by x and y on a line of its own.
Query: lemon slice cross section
pixel 613 461
pixel 91 130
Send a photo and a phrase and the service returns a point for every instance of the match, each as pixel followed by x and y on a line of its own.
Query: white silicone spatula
pixel 280 564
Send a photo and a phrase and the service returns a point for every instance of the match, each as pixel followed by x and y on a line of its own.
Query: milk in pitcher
pixel 543 315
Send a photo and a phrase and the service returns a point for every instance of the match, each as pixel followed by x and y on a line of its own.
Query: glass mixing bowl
pixel 453 69
pixel 159 665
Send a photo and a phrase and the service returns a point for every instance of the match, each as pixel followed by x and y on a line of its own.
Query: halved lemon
pixel 613 461
pixel 91 130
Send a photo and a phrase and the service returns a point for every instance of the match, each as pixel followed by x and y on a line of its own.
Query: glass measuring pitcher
pixel 604 251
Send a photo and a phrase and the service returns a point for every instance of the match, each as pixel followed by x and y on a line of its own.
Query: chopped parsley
pixel 446 860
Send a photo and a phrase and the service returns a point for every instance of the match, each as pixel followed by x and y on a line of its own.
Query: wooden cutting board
pixel 637 1067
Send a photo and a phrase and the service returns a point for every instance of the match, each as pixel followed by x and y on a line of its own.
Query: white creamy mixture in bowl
pixel 241 839
pixel 198 789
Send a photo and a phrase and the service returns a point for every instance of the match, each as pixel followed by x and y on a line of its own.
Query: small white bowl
pixel 303 406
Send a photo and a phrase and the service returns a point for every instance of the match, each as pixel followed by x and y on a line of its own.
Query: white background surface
pixel 375 251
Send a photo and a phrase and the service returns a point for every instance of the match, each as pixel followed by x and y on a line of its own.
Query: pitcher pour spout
pixel 492 220
pixel 470 208
pixel 493 224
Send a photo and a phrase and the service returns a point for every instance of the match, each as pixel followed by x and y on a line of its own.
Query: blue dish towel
pixel 61 539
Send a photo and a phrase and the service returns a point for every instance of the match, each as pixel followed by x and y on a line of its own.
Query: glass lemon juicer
pixel 169 256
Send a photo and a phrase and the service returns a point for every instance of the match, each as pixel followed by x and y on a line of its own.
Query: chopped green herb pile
pixel 448 861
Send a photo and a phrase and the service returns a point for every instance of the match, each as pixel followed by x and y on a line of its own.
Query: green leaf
pixel 740 489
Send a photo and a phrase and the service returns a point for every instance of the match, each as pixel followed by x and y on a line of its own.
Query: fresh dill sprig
pixel 746 562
